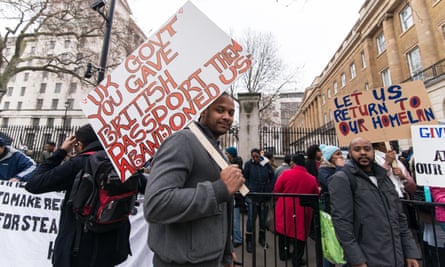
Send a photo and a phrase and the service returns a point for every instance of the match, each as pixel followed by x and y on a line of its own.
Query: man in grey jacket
pixel 188 197
pixel 367 214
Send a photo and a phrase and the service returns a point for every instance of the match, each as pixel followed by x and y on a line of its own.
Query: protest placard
pixel 429 154
pixel 382 114
pixel 162 86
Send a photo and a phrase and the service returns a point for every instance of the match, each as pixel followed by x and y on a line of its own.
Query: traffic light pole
pixel 106 43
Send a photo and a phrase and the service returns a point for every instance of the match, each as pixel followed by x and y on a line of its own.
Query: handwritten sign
pixel 382 114
pixel 429 154
pixel 162 86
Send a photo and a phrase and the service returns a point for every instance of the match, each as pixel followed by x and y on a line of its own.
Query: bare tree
pixel 53 22
pixel 268 74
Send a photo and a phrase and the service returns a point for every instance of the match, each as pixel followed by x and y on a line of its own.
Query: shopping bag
pixel 332 251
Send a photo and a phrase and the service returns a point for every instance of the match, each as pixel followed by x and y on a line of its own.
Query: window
pixel 73 88
pixel 386 77
pixel 52 44
pixel 10 90
pixel 54 103
pixel 343 79
pixel 65 57
pixel 60 75
pixel 19 105
pixel 352 70
pixel 50 122
pixel 81 42
pixel 26 76
pixel 45 75
pixel 366 86
pixel 67 43
pixel 58 88
pixel 39 104
pixel 70 103
pixel 323 99
pixel 35 122
pixel 33 50
pixel 6 105
pixel 362 54
pixel 8 51
pixel 42 88
pixel 381 45
pixel 22 91
pixel 5 122
pixel 335 86
pixel 329 93
pixel 415 64
pixel 406 18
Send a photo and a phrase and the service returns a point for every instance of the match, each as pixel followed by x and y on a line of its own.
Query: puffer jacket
pixel 369 220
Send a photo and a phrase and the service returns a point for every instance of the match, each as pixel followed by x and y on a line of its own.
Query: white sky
pixel 307 32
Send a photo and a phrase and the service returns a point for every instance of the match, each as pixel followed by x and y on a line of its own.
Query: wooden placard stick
pixel 222 163
pixel 389 148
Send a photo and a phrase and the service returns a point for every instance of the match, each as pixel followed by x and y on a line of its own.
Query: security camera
pixel 97 4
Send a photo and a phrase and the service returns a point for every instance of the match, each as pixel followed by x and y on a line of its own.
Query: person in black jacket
pixel 105 249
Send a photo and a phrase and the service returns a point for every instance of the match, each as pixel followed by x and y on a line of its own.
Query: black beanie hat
pixel 86 134
pixel 298 159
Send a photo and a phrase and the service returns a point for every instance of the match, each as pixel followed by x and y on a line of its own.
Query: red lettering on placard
pixel 125 167
pixel 106 97
pixel 107 135
pixel 116 151
pixel 243 63
pixel 169 27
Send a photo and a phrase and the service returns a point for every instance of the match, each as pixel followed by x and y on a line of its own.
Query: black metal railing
pixel 33 138
pixel 269 255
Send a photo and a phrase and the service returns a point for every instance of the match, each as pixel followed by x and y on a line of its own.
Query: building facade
pixel 45 98
pixel 392 42
pixel 280 109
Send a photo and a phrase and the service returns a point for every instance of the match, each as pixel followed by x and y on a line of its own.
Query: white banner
pixel 29 225
pixel 429 154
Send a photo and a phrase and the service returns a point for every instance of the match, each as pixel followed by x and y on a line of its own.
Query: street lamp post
pixel 97 5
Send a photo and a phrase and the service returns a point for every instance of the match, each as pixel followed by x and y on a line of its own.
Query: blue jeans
pixel 237 236
pixel 261 211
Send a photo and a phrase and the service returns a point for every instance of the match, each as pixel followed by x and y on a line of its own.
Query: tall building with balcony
pixel 392 42
pixel 43 98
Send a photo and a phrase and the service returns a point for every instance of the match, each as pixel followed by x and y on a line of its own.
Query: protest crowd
pixel 160 190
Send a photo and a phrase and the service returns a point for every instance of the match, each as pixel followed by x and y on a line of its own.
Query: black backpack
pixel 100 201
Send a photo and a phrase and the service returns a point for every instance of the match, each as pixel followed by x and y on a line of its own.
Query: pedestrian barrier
pixel 277 251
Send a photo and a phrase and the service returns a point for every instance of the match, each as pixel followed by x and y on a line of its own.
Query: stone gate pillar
pixel 249 120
